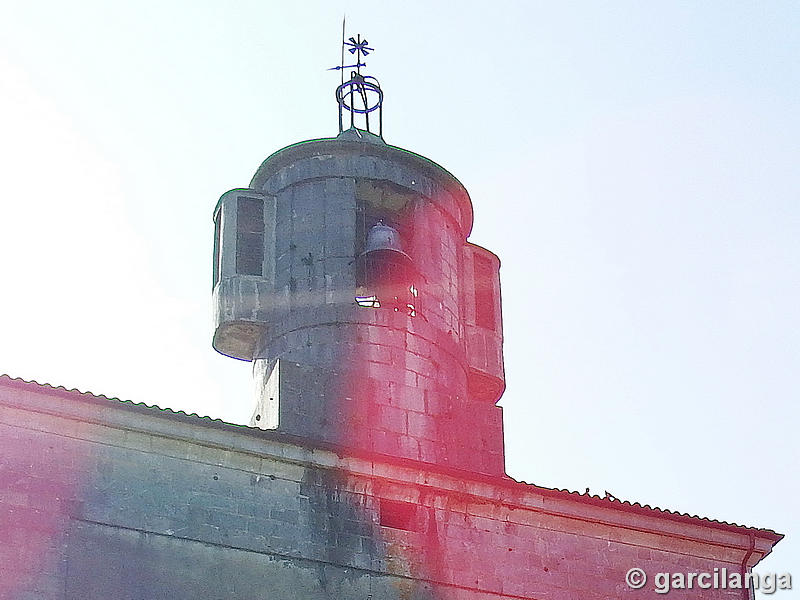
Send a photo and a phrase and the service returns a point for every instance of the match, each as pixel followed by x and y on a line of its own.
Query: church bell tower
pixel 344 274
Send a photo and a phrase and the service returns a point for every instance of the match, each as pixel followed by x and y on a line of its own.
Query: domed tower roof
pixel 354 152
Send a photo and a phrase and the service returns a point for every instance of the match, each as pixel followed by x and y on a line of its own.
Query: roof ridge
pixel 61 388
pixel 638 505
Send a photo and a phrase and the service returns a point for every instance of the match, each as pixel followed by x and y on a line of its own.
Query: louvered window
pixel 484 292
pixel 249 236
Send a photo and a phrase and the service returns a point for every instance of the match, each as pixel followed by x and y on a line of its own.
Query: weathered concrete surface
pixel 103 499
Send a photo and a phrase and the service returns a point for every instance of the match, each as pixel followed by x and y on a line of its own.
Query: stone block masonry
pixel 415 375
pixel 106 499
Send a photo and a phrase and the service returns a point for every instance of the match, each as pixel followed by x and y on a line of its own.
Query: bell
pixel 383 270
pixel 384 240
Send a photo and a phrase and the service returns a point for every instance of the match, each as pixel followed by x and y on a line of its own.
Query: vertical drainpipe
pixel 748 592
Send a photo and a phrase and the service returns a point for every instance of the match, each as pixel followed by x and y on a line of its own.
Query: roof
pixel 506 481
pixel 358 143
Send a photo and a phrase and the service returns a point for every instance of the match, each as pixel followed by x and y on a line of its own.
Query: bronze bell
pixel 384 240
pixel 384 272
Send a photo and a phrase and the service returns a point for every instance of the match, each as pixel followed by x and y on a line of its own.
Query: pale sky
pixel 634 165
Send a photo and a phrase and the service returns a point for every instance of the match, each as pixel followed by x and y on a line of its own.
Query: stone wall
pixel 106 499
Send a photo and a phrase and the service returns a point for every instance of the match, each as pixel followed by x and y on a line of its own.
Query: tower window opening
pixel 484 292
pixel 249 236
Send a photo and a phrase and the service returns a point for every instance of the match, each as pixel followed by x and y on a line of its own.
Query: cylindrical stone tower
pixel 345 275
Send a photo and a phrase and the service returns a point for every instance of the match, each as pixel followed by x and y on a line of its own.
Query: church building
pixel 373 464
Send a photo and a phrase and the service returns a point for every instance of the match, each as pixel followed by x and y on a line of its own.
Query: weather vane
pixel 361 94
pixel 356 47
